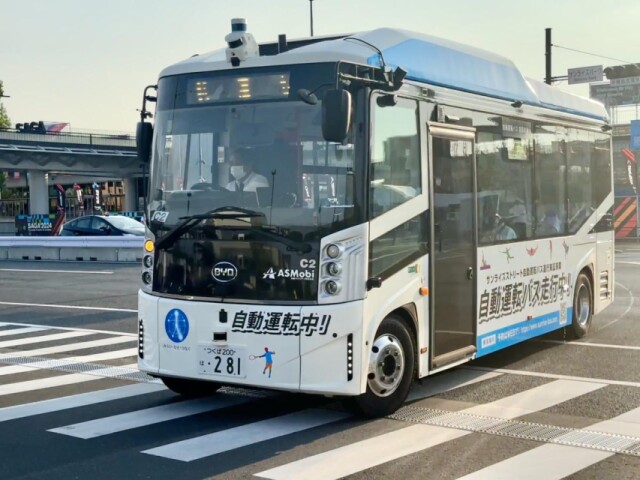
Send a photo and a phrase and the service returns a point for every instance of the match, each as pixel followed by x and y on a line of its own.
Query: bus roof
pixel 426 59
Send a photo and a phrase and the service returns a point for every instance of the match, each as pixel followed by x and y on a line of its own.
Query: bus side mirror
pixel 144 135
pixel 336 115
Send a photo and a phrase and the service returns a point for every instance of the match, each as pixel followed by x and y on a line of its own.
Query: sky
pixel 86 62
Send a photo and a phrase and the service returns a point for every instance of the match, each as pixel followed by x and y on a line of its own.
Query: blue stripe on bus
pixel 519 332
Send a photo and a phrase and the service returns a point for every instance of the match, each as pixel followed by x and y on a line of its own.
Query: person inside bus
pixel 244 178
pixel 551 224
pixel 503 232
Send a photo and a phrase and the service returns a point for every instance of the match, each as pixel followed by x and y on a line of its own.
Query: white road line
pixel 43 338
pixel 150 416
pixel 60 380
pixel 75 401
pixel 587 344
pixel 50 327
pixel 49 364
pixel 554 462
pixel 71 347
pixel 69 307
pixel 212 444
pixel 446 381
pixel 555 376
pixel 369 453
pixel 20 331
pixel 629 307
pixel 55 271
pixel 628 263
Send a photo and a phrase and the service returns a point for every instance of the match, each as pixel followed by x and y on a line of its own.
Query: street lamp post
pixel 311 15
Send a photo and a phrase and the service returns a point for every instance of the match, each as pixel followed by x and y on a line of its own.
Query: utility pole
pixel 547 53
pixel 311 15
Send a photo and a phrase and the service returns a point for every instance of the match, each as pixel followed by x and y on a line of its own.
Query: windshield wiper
pixel 191 221
pixel 292 244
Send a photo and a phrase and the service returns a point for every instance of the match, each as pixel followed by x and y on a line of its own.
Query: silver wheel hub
pixel 583 305
pixel 386 365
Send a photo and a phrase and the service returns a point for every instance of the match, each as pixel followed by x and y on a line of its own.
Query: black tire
pixel 582 307
pixel 190 388
pixel 397 371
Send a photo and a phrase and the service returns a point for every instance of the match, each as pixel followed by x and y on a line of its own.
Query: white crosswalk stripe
pixel 75 401
pixel 44 338
pixel 60 380
pixel 553 462
pixel 72 347
pixel 21 331
pixel 207 445
pixel 150 416
pixel 97 357
pixel 375 451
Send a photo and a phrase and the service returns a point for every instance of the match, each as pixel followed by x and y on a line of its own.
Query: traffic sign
pixel 585 74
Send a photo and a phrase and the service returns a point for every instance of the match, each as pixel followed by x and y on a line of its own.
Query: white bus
pixel 341 216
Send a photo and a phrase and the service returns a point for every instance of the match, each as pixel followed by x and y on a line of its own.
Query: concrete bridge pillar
pixel 38 192
pixel 130 194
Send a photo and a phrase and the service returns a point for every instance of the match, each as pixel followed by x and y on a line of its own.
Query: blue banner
pixel 634 143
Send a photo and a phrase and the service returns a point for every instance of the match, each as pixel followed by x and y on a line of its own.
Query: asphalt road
pixel 76 420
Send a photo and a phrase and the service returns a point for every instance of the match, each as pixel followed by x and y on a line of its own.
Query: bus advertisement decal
pixel 512 334
pixel 280 323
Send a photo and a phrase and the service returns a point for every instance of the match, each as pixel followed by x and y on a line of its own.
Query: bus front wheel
pixel 582 306
pixel 391 370
pixel 190 388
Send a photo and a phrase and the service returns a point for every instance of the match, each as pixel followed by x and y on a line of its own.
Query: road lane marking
pixel 555 376
pixel 50 364
pixel 238 437
pixel 75 401
pixel 61 380
pixel 69 307
pixel 55 271
pixel 20 331
pixel 629 307
pixel 587 344
pixel 70 347
pixel 554 462
pixel 450 380
pixel 356 457
pixel 150 416
pixel 43 338
pixel 50 327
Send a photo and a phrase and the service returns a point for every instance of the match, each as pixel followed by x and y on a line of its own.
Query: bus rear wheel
pixel 391 370
pixel 190 388
pixel 582 307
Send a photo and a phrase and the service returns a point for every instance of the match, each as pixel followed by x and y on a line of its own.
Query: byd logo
pixel 224 272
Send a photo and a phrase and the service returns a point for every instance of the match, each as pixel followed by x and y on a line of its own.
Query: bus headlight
pixel 332 287
pixel 334 269
pixel 333 251
pixel 147 261
pixel 146 278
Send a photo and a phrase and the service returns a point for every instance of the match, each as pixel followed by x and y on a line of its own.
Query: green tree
pixel 5 122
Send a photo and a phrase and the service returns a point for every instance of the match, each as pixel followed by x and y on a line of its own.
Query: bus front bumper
pixel 309 349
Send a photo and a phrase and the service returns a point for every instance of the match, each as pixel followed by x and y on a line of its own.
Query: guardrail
pixel 96 249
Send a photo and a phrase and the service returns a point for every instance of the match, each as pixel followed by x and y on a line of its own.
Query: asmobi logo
pixel 224 272
pixel 291 273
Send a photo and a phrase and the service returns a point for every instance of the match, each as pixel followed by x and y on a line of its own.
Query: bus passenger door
pixel 453 183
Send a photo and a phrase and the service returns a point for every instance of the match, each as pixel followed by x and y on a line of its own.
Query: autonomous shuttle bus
pixel 343 215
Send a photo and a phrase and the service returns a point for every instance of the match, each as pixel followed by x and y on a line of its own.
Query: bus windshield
pixel 266 155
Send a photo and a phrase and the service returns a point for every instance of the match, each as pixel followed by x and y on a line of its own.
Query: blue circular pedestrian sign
pixel 176 324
